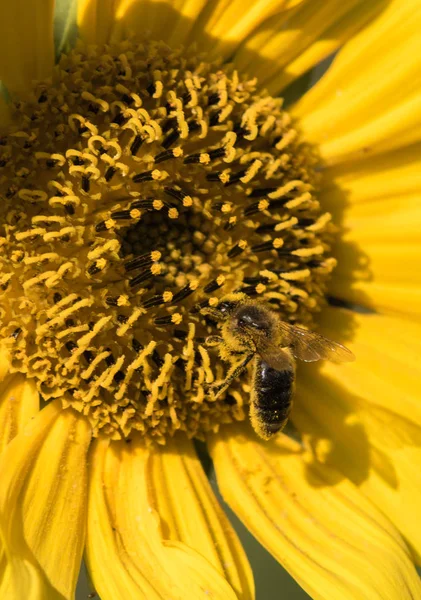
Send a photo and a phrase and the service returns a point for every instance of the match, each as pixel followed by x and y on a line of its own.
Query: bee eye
pixel 249 322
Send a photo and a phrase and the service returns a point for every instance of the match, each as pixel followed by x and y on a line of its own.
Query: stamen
pixel 136 144
pixel 237 249
pixel 145 275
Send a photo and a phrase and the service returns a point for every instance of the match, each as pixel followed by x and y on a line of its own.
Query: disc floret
pixel 139 186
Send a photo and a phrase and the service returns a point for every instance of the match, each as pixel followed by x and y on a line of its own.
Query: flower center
pixel 138 187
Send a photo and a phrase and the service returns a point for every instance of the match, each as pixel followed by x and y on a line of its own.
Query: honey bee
pixel 251 330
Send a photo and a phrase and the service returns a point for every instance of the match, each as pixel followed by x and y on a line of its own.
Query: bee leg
pixel 213 340
pixel 213 313
pixel 216 389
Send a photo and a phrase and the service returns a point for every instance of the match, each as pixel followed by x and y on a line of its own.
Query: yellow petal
pixel 178 19
pixel 19 403
pixel 386 234
pixel 401 300
pixel 392 129
pixel 127 551
pixel 95 20
pixel 377 204
pixel 321 528
pixel 161 19
pixel 364 419
pixel 224 24
pixel 26 43
pixel 312 48
pixel 378 208
pixel 397 215
pixel 4 112
pixel 22 580
pixel 217 26
pixel 102 21
pixel 4 363
pixel 394 174
pixel 369 100
pixel 284 48
pixel 43 495
pixel 190 513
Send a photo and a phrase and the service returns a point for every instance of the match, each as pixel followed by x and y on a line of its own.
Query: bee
pixel 250 330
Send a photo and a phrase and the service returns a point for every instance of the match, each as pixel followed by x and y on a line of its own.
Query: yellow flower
pixel 103 361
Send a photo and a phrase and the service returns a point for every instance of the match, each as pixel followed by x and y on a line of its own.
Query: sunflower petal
pixel 216 26
pixel 4 363
pixel 102 21
pixel 390 175
pixel 174 24
pixel 320 528
pixel 369 100
pixel 95 20
pixel 167 20
pixel 394 128
pixel 386 235
pixel 378 208
pixel 314 47
pixel 65 30
pixel 190 513
pixel 224 24
pixel 4 111
pixel 26 43
pixel 401 300
pixel 286 47
pixel 127 553
pixel 19 578
pixel 43 474
pixel 365 420
pixel 19 403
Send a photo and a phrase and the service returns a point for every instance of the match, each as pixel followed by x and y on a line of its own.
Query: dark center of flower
pixel 136 188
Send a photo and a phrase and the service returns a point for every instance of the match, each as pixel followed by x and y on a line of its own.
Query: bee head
pixel 253 318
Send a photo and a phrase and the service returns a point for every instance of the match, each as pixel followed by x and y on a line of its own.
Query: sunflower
pixel 148 170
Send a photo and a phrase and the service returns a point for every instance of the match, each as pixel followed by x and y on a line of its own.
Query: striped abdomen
pixel 271 398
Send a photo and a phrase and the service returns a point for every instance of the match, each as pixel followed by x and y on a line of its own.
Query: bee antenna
pixel 226 306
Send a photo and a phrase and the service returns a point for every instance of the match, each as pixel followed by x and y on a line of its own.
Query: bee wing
pixel 272 355
pixel 309 346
